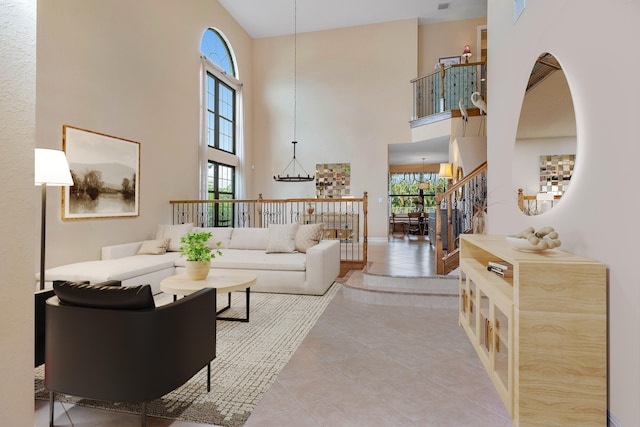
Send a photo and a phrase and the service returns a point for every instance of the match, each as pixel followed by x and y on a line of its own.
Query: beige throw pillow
pixel 281 238
pixel 173 233
pixel 154 247
pixel 308 235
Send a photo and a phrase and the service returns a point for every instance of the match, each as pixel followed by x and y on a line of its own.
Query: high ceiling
pixel 268 18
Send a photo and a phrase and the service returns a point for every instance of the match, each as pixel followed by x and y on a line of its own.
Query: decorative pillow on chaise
pixel 154 247
pixel 281 238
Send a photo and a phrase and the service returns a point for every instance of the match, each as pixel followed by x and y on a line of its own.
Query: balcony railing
pixel 441 90
pixel 343 219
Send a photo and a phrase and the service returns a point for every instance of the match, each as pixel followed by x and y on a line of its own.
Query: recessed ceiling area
pixel 433 151
pixel 269 18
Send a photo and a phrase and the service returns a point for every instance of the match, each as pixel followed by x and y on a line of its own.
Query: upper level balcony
pixel 447 93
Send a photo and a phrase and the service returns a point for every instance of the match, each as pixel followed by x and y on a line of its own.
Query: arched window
pixel 215 48
pixel 221 121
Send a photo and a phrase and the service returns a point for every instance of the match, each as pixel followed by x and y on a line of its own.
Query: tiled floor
pixel 365 365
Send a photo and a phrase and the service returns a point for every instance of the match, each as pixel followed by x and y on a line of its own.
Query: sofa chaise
pixel 286 258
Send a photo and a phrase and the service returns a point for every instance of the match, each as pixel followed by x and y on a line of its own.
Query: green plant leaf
pixel 194 246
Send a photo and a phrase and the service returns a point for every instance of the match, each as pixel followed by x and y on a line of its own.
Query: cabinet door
pixel 502 353
pixel 467 314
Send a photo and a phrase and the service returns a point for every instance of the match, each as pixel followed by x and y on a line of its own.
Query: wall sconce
pixel 446 171
pixel 466 53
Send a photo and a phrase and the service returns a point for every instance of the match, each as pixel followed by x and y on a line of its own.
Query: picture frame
pixel 450 60
pixel 106 175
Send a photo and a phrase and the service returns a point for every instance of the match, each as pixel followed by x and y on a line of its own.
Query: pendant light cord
pixel 295 64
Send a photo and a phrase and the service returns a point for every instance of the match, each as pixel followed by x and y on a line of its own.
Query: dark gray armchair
pixel 111 343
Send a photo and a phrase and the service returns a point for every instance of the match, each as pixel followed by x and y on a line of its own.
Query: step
pixel 434 292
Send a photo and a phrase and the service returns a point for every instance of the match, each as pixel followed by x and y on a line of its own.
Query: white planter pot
pixel 197 270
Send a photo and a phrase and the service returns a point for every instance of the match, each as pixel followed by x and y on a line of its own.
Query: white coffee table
pixel 222 280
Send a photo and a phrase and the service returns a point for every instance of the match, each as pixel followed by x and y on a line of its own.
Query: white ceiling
pixel 268 18
pixel 433 151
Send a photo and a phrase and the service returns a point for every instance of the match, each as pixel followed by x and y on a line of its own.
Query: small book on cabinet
pixel 500 272
pixel 500 265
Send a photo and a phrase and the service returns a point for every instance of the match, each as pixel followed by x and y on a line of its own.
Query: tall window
pixel 221 186
pixel 221 108
pixel 220 127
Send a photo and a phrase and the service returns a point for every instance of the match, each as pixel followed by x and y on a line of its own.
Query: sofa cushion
pixel 281 238
pixel 112 269
pixel 154 247
pixel 244 259
pixel 105 296
pixel 308 235
pixel 173 233
pixel 218 234
pixel 249 238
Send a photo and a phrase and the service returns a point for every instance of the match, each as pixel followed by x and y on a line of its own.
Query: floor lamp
pixel 51 169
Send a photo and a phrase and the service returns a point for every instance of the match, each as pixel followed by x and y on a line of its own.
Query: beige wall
pixel 17 141
pixel 606 108
pixel 132 70
pixel 447 39
pixel 353 99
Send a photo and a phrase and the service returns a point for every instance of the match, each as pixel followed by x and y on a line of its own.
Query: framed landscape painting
pixel 106 175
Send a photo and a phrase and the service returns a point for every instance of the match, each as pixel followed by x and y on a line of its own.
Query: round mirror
pixel 545 146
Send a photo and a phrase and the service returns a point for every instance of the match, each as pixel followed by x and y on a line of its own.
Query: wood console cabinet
pixel 540 334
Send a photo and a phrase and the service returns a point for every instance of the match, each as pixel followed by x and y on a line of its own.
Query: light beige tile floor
pixel 364 365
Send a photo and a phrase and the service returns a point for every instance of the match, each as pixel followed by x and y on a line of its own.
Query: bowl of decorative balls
pixel 531 240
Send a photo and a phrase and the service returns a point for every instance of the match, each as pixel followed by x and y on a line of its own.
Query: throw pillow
pixel 154 247
pixel 308 235
pixel 173 233
pixel 103 295
pixel 281 238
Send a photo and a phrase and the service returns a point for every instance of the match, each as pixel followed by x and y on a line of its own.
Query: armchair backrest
pixel 132 355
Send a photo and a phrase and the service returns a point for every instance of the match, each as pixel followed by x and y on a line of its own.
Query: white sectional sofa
pixel 309 270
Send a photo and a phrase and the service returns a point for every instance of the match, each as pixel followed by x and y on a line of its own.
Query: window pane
pixel 226 102
pixel 220 184
pixel 226 136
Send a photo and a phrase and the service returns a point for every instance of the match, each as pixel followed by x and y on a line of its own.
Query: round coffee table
pixel 222 280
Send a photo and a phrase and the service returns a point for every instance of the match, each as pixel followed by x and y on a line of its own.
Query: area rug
pixel 249 358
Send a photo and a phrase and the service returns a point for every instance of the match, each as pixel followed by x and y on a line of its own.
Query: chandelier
pixel 285 176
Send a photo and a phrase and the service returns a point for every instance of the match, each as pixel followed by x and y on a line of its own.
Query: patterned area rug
pixel 249 358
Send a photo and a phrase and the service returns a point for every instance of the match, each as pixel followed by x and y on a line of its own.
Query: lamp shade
pixel 446 171
pixel 51 168
pixel 467 51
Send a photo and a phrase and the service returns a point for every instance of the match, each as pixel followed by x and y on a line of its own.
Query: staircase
pixel 466 204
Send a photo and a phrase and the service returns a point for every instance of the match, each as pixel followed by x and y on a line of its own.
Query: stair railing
pixel 465 202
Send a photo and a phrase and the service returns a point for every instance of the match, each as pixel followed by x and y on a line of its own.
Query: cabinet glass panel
pixel 472 307
pixel 501 329
pixel 462 295
pixel 484 326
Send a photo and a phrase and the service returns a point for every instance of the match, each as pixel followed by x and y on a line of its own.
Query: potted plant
pixel 199 254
